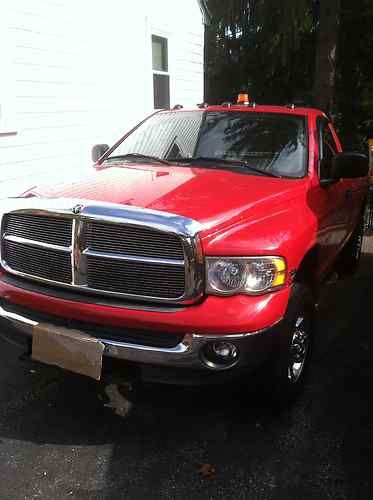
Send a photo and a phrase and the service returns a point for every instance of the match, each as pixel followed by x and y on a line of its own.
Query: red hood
pixel 212 197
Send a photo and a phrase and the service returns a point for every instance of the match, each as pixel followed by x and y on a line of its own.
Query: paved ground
pixel 57 441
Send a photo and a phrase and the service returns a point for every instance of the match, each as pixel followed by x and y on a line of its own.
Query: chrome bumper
pixel 187 354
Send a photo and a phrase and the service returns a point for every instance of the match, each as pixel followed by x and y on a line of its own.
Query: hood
pixel 213 197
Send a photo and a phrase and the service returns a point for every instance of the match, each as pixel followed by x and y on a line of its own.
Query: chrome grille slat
pixel 33 243
pixel 133 258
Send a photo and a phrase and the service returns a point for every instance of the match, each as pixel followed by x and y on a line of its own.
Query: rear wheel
pixel 349 259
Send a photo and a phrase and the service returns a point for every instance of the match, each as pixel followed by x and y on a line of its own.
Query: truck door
pixel 333 200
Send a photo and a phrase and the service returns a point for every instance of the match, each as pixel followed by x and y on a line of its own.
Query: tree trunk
pixel 325 64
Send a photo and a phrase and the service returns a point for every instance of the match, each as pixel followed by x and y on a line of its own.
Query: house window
pixel 161 77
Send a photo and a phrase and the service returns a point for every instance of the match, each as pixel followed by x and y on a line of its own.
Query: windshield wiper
pixel 225 161
pixel 138 156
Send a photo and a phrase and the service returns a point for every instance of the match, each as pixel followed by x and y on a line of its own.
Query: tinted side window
pixel 328 149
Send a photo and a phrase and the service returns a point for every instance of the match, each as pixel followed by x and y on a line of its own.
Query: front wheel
pixel 290 361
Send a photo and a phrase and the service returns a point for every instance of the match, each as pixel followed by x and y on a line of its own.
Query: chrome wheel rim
pixel 299 348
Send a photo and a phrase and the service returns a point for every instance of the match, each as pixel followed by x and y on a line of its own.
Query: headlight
pixel 250 275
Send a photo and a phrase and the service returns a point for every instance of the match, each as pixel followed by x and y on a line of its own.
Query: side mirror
pixel 349 166
pixel 98 150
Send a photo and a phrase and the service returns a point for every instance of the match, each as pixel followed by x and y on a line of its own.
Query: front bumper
pixel 214 315
pixel 253 347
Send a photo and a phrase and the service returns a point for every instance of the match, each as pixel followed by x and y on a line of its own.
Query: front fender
pixel 289 232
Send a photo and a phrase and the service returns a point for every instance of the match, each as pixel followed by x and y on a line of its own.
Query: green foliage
pixel 265 45
pixel 355 69
pixel 269 47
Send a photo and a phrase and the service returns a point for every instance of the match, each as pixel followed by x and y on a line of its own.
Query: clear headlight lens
pixel 251 275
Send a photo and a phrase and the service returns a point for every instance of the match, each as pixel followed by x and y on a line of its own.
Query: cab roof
pixel 257 108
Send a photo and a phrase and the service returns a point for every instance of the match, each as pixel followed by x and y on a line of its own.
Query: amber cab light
pixel 243 98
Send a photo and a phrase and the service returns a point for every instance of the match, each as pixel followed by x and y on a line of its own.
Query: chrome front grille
pixel 92 252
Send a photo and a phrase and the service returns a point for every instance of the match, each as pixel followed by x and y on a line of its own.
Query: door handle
pixel 348 194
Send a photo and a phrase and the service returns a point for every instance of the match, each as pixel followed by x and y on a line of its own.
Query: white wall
pixel 79 73
pixel 184 29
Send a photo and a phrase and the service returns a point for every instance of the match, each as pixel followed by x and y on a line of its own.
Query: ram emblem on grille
pixel 77 209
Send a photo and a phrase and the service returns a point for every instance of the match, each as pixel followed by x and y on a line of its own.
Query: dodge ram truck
pixel 193 252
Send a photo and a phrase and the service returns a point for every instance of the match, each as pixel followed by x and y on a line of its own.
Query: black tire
pixel 349 259
pixel 290 361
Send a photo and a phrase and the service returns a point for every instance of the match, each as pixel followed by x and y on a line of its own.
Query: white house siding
pixel 80 73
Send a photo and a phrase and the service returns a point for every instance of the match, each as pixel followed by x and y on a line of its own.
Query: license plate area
pixel 69 349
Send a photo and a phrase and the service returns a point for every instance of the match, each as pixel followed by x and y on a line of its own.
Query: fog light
pixel 220 355
pixel 225 350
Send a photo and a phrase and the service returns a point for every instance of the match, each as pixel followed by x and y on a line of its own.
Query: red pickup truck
pixel 193 252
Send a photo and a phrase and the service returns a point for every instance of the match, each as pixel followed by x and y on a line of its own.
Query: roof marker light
pixel 243 98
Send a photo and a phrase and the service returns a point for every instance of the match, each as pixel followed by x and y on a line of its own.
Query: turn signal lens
pixel 250 275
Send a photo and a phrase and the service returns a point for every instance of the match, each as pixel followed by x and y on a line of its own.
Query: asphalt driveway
pixel 58 441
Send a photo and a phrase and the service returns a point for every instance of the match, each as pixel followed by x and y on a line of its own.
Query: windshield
pixel 268 142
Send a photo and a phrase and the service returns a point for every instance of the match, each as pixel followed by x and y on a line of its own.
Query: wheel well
pixel 306 271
